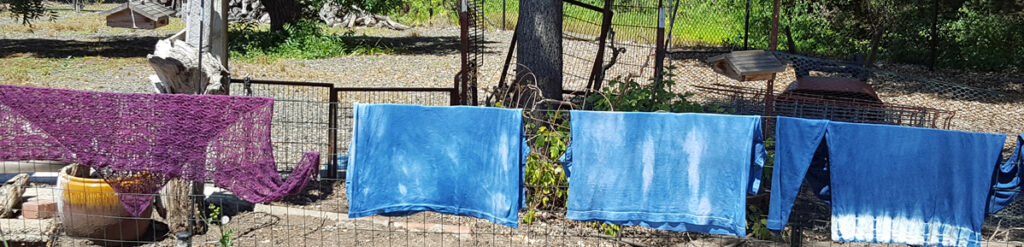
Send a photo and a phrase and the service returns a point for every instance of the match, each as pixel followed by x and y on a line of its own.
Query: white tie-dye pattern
pixel 402 190
pixel 648 162
pixel 498 200
pixel 693 146
pixel 704 208
pixel 900 229
pixel 503 152
pixel 613 123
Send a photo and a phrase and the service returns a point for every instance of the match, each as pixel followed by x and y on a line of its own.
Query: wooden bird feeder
pixel 138 15
pixel 754 65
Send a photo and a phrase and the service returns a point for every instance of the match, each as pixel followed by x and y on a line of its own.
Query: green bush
pixel 985 35
pixel 543 170
pixel 630 95
pixel 304 40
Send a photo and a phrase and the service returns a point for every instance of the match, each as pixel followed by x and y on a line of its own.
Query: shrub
pixel 304 40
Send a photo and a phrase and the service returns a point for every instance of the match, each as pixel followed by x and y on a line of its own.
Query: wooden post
pixel 206 29
pixel 214 36
pixel 774 36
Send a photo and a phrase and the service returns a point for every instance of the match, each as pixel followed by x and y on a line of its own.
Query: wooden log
pixel 12 192
pixel 175 63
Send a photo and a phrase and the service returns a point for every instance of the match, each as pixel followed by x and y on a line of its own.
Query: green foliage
pixel 544 173
pixel 530 216
pixel 3 239
pixel 756 223
pixel 423 11
pixel 996 40
pixel 543 170
pixel 984 35
pixel 630 95
pixel 304 40
pixel 607 229
pixel 756 220
pixel 26 10
pixel 214 217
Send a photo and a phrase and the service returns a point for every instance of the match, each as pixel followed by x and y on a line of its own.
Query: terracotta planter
pixel 88 207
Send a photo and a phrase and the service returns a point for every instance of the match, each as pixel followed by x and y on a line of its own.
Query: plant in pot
pixel 88 207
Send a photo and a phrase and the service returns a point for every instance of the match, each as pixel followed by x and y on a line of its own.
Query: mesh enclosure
pixel 139 141
pixel 301 120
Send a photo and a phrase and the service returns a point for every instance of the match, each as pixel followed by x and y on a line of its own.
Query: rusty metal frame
pixel 938 118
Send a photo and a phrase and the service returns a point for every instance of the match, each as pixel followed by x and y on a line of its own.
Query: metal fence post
pixel 503 14
pixel 597 73
pixel 659 54
pixel 332 133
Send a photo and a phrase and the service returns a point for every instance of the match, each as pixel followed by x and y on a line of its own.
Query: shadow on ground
pixel 436 45
pixel 119 47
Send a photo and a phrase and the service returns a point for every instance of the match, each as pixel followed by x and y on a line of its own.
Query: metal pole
pixel 596 73
pixel 332 133
pixel 671 23
pixel 508 57
pixel 659 55
pixel 503 14
pixel 464 70
pixel 199 76
pixel 746 27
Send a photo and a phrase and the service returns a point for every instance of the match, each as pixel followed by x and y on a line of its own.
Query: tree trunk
pixel 876 41
pixel 789 40
pixel 540 47
pixel 281 12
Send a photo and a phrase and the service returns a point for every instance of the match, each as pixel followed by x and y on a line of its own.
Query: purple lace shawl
pixel 139 141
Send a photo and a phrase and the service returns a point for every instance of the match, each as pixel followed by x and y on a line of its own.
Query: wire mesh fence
pixel 317 216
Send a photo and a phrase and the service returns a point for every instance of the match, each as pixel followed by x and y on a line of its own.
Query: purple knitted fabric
pixel 140 141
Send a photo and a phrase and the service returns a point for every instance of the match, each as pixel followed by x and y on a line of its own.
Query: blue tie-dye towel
pixel 890 184
pixel 1008 182
pixel 681 172
pixel 457 160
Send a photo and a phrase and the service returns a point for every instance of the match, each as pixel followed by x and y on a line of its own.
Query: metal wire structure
pixel 471 25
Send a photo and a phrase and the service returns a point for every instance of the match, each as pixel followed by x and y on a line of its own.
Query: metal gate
pixel 316 116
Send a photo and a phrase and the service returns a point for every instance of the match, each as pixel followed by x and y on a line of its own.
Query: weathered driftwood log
pixel 12 192
pixel 175 63
pixel 337 16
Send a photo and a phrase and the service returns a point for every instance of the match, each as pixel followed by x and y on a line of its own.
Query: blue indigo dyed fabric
pixel 1007 183
pixel 680 172
pixel 796 142
pixel 457 160
pixel 891 184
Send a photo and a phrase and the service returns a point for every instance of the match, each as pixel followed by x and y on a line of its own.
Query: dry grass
pixel 23 69
pixel 68 21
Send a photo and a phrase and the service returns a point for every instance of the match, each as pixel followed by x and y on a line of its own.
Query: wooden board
pixel 747 65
